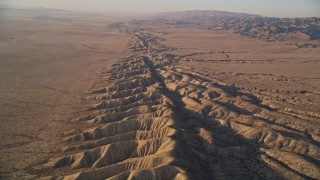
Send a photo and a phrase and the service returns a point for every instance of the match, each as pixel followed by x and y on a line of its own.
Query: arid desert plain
pixel 170 96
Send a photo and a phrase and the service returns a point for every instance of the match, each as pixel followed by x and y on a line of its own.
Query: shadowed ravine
pixel 196 149
pixel 158 120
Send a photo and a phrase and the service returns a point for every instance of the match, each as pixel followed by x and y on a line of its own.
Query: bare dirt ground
pixel 162 103
pixel 46 67
pixel 199 104
pixel 278 72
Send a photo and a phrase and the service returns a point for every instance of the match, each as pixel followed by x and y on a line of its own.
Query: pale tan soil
pixel 278 72
pixel 46 67
pixel 196 112
pixel 172 103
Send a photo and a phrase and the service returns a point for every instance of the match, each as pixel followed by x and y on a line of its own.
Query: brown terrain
pixel 46 68
pixel 172 96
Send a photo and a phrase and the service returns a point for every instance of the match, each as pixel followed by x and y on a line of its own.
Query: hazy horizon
pixel 284 8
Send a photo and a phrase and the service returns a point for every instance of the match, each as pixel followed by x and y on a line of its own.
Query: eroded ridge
pixel 135 130
pixel 158 120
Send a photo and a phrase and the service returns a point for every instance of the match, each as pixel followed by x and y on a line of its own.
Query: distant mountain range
pixel 250 25
pixel 256 26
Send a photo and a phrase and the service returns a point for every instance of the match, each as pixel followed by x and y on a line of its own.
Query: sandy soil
pixel 280 72
pixel 46 68
pixel 161 103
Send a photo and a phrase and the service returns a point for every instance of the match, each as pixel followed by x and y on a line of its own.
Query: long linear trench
pixel 159 121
